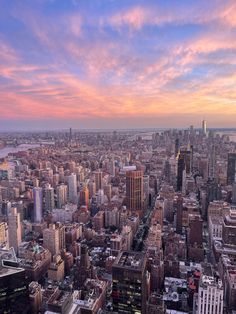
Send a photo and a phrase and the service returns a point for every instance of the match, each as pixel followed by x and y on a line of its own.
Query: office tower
pixel 98 221
pixel 84 270
pixel 38 204
pixel 4 236
pixel 195 230
pixel 14 228
pixel 191 130
pixel 177 146
pixel 229 229
pixel 180 169
pixel 70 136
pixel 5 208
pixel 231 168
pixel 56 269
pixel 111 167
pixel 61 174
pixel 203 168
pixel 134 190
pixel 71 166
pixel 14 297
pixel 179 214
pixel 55 179
pixel 49 198
pixel 61 195
pixel 62 236
pixel 98 180
pixel 36 183
pixel 92 189
pixel 107 191
pixel 184 159
pixel 204 127
pixel 167 171
pixel 51 239
pixel 158 212
pixel 84 196
pixel 234 193
pixel 188 159
pixel 184 182
pixel 72 184
pixel 129 288
pixel 210 295
pixel 212 162
pixel 35 297
pixel 195 239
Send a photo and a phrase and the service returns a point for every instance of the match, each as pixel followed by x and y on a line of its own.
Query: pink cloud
pixel 135 18
pixel 7 54
pixel 138 16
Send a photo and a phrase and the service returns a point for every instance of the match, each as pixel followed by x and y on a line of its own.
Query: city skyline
pixel 116 64
pixel 123 222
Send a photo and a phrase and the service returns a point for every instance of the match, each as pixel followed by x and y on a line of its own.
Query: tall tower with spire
pixel 204 127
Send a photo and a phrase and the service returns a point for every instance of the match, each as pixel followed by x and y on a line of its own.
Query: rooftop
pixel 92 291
pixel 8 270
pixel 8 255
pixel 130 260
pixel 211 281
pixel 59 298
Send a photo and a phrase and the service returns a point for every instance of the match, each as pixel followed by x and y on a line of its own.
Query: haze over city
pixel 117 64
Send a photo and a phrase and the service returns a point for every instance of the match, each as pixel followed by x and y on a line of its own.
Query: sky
pixel 117 63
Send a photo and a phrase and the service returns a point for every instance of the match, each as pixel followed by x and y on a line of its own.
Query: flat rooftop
pixel 130 260
pixel 7 271
pixel 8 255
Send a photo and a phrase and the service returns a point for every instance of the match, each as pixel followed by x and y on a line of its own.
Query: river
pixel 9 149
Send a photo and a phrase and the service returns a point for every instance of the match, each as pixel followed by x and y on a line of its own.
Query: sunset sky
pixel 117 63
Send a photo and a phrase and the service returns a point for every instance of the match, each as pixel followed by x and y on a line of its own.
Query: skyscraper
pixel 195 239
pixel 229 228
pixel 61 195
pixel 231 168
pixel 134 190
pixel 107 191
pixel 70 136
pixel 14 227
pixel 176 146
pixel 204 127
pixel 184 159
pixel 38 204
pixel 84 196
pixel 92 189
pixel 179 214
pixel 72 184
pixel 98 179
pixel 49 198
pixel 180 169
pixel 51 239
pixel 129 289
pixel 212 162
pixel 210 295
pixel 85 269
pixel 234 193
pixel 13 285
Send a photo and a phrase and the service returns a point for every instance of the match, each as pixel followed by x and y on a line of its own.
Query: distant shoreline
pixel 88 130
pixel 5 151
